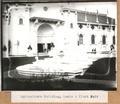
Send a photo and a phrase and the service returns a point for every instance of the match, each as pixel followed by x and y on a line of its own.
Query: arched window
pixel 80 26
pixel 103 27
pixel 20 21
pixel 9 47
pixel 113 39
pixel 113 28
pixel 80 39
pixel 71 25
pixel 92 27
pixel 93 39
pixel 45 8
pixel 103 39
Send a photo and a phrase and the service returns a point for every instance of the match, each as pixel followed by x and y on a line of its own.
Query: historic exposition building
pixel 69 42
pixel 36 29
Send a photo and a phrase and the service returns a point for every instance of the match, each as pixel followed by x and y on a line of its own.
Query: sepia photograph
pixel 59 46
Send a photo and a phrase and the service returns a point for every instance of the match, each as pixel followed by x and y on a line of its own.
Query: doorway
pixel 41 47
pixel 45 38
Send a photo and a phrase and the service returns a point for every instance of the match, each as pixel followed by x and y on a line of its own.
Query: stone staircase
pixel 71 63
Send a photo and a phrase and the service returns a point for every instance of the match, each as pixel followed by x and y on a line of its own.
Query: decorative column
pixel 97 17
pixel 107 17
pixel 85 15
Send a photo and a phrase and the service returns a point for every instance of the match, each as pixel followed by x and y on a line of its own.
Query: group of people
pixel 49 47
pixel 112 48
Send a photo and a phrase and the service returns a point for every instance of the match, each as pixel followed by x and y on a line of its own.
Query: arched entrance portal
pixel 45 38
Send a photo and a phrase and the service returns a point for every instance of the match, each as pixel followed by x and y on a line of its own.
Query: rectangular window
pixel 93 39
pixel 71 25
pixel 113 39
pixel 20 21
pixel 103 39
pixel 80 39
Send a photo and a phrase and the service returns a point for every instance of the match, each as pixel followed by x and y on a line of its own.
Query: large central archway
pixel 45 38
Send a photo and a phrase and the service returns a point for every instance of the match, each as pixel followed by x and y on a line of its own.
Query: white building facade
pixel 35 29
